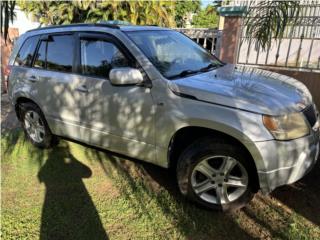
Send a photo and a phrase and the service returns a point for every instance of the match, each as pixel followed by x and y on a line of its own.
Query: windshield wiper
pixel 187 72
pixel 209 67
pixel 184 73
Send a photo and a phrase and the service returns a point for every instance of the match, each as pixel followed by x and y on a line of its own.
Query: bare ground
pixel 8 116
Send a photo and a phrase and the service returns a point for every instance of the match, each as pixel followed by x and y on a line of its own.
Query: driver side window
pixel 98 57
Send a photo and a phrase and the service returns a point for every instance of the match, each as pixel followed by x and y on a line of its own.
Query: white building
pixel 22 22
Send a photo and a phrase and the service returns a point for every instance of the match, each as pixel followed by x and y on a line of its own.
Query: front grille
pixel 310 115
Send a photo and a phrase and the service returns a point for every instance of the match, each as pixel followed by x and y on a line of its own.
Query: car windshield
pixel 174 54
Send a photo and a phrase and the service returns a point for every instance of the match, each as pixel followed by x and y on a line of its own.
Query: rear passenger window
pixel 98 57
pixel 25 55
pixel 60 53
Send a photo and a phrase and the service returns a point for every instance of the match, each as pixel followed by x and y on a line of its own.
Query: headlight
pixel 286 127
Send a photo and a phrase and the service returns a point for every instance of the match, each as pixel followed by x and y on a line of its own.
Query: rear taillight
pixel 6 74
pixel 7 70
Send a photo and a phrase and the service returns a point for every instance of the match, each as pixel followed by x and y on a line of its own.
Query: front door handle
pixel 83 89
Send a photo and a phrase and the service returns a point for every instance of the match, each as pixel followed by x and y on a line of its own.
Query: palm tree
pixel 136 12
pixel 268 19
pixel 7 15
pixel 165 10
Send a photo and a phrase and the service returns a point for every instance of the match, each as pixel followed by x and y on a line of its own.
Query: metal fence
pixel 237 3
pixel 208 38
pixel 298 49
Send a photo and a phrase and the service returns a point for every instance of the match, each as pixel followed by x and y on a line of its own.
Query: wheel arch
pixel 181 139
pixel 23 99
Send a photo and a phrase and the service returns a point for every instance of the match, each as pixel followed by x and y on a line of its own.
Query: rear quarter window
pixel 26 52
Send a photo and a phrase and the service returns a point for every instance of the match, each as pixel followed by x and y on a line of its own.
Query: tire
pixel 31 118
pixel 216 174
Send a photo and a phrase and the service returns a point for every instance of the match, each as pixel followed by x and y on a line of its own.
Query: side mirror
pixel 125 76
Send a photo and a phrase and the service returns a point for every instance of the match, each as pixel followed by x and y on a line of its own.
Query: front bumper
pixel 285 162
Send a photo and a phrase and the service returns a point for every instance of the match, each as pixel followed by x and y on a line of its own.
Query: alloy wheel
pixel 219 179
pixel 34 126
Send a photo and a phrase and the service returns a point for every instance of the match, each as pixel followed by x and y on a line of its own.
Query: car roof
pixel 124 28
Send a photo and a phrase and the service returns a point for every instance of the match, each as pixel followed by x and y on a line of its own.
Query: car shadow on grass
pixel 303 196
pixel 141 182
pixel 262 218
pixel 68 211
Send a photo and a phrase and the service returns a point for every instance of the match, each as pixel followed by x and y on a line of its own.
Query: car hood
pixel 245 88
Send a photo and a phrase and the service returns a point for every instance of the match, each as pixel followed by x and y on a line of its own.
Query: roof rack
pixel 116 22
pixel 78 25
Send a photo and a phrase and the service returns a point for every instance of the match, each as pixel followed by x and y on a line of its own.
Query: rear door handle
pixel 33 78
pixel 83 89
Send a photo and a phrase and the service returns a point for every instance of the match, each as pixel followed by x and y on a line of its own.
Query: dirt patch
pixel 303 196
pixel 8 117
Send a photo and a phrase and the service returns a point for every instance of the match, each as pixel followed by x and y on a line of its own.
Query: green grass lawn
pixel 76 192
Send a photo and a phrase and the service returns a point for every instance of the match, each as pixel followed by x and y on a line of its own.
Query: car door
pixel 56 91
pixel 22 72
pixel 120 118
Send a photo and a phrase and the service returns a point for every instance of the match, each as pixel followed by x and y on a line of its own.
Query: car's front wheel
pixel 35 126
pixel 216 174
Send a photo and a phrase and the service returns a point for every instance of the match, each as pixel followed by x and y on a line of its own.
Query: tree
pixel 268 19
pixel 182 8
pixel 136 12
pixel 206 18
pixel 7 15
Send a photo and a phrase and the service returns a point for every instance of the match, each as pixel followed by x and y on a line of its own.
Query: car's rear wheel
pixel 215 174
pixel 35 126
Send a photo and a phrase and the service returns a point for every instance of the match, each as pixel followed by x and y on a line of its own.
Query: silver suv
pixel 153 94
